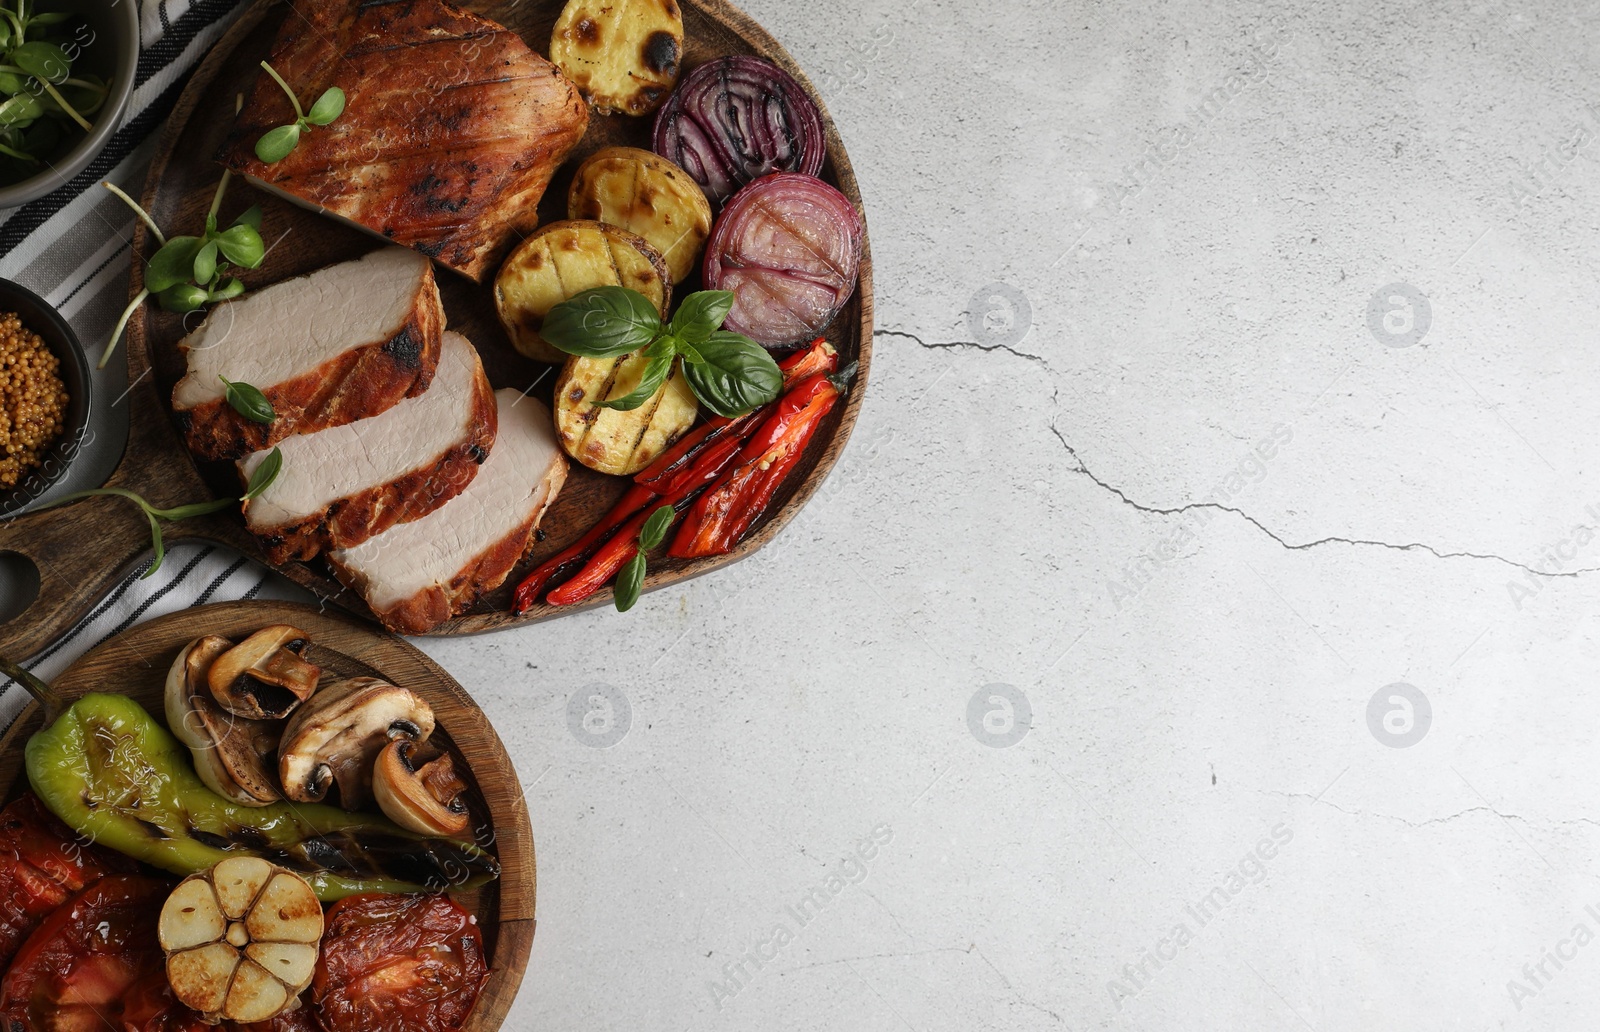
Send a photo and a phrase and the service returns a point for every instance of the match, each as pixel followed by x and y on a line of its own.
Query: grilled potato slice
pixel 615 442
pixel 623 55
pixel 561 260
pixel 646 194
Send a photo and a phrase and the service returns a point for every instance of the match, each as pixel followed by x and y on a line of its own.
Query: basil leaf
pixel 42 61
pixel 629 580
pixel 248 401
pixel 182 297
pixel 11 83
pixel 48 18
pixel 264 475
pixel 205 262
pixel 251 217
pixel 242 246
pixel 5 34
pixel 276 144
pixel 173 264
pixel 701 314
pixel 689 353
pixel 328 106
pixel 655 374
pixel 738 375
pixel 655 528
pixel 605 322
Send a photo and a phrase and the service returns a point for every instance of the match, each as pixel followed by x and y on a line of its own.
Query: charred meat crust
pixel 350 521
pixel 473 124
pixel 427 609
pixel 357 384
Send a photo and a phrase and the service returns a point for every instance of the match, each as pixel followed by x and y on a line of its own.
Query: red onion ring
pixel 789 247
pixel 736 119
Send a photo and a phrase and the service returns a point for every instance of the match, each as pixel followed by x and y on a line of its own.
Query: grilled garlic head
pixel 241 940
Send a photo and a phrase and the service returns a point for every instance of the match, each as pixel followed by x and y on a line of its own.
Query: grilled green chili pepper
pixel 116 776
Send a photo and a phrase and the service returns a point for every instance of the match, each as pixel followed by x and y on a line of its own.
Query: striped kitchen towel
pixel 72 247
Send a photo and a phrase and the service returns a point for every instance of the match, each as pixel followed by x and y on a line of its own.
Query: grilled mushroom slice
pixel 241 940
pixel 230 753
pixel 335 738
pixel 420 791
pixel 263 677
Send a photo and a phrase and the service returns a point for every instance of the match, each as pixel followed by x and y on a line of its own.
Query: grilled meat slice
pixel 344 485
pixel 420 574
pixel 451 131
pixel 343 343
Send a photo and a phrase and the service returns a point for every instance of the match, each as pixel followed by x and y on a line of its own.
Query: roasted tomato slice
pixel 398 964
pixel 75 972
pixel 42 865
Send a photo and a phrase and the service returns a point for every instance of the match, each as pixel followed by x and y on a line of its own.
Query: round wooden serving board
pixel 83 549
pixel 135 664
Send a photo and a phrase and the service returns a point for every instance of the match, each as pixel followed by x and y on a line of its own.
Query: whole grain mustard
pixel 33 400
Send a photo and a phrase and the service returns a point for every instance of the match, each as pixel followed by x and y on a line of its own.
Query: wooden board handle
pixel 80 550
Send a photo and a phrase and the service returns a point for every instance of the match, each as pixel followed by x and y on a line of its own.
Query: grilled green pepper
pixel 116 776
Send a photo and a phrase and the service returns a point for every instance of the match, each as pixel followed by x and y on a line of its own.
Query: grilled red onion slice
pixel 736 119
pixel 789 247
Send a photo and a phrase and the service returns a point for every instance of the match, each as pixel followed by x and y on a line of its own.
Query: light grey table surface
pixel 1203 617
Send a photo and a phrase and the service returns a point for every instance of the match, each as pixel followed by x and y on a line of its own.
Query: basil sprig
pixel 277 144
pixel 730 373
pixel 260 480
pixel 631 577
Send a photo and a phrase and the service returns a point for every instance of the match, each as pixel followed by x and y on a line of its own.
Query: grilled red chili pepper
pixel 679 472
pixel 624 545
pixel 528 591
pixel 818 357
pixel 720 517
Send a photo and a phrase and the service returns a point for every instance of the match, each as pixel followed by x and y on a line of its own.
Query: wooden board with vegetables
pixel 669 258
pixel 278 819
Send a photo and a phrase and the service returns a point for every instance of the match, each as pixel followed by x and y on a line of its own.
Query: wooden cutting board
pixel 135 664
pixel 82 550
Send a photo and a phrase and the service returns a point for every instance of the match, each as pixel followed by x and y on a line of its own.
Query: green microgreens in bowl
pixel 277 144
pixel 730 373
pixel 631 577
pixel 260 480
pixel 189 272
pixel 41 95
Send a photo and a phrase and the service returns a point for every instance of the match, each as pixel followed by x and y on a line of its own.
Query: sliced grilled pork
pixel 343 343
pixel 420 574
pixel 451 130
pixel 343 485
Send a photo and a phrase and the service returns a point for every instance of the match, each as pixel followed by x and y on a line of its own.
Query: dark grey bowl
pixel 113 54
pixel 75 375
